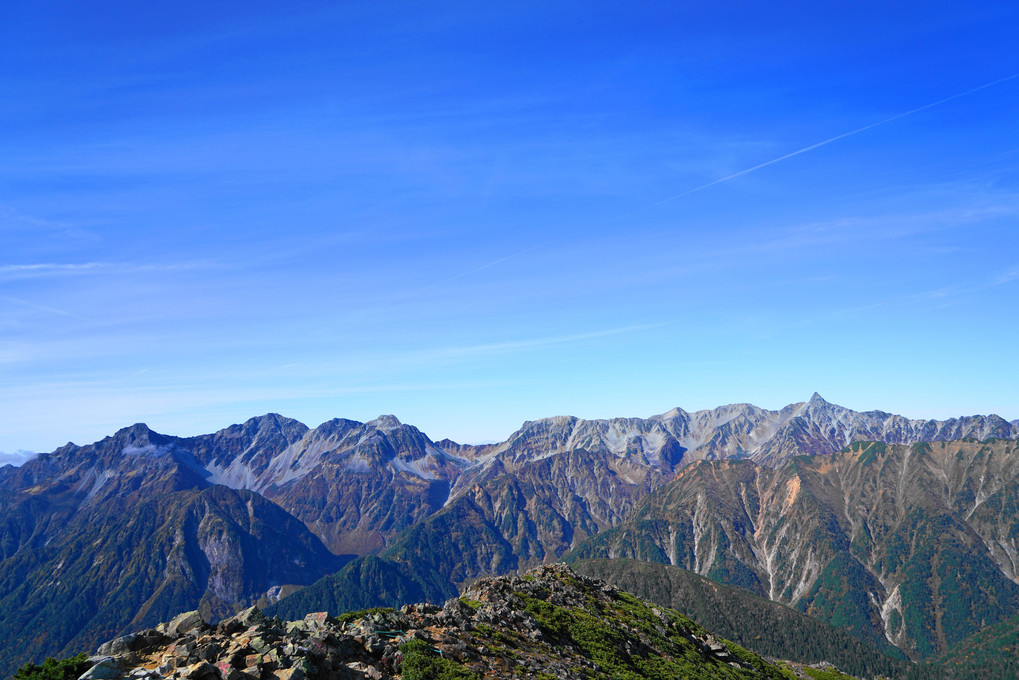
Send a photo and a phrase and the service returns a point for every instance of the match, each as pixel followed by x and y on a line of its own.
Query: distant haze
pixel 16 458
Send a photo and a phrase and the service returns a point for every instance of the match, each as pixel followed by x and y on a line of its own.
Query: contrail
pixel 746 171
pixel 481 268
pixel 818 145
pixel 41 308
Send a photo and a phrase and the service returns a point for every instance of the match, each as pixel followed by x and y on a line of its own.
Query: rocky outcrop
pixel 548 623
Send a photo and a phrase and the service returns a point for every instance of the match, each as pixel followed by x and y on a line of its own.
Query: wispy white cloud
pixel 1007 276
pixel 41 308
pixel 16 458
pixel 51 269
pixel 534 343
pixel 945 292
pixel 483 267
pixel 399 360
pixel 980 212
pixel 926 231
pixel 937 298
pixel 10 217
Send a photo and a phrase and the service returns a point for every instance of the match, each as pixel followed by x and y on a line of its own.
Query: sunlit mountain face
pixel 140 524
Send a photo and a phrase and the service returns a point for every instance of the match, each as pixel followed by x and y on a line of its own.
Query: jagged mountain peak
pixel 139 432
pixel 137 441
pixel 819 405
pixel 672 414
pixel 335 426
pixel 386 421
pixel 646 440
pixel 560 421
pixel 273 421
pixel 273 450
pixel 269 430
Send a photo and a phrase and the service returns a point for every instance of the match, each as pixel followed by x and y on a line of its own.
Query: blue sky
pixel 474 214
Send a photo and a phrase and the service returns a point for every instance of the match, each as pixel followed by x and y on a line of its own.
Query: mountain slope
pixel 534 514
pixel 364 583
pixel 911 545
pixel 765 627
pixel 991 654
pixel 101 538
pixel 216 550
pixel 355 485
pixel 358 485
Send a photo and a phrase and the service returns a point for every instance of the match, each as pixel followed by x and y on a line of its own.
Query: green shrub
pixel 421 663
pixel 350 617
pixel 51 669
pixel 826 674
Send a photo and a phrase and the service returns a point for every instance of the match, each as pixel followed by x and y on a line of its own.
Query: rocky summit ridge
pixel 547 623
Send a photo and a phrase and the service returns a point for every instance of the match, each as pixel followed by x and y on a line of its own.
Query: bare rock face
pixel 355 485
pixel 547 623
pixel 737 431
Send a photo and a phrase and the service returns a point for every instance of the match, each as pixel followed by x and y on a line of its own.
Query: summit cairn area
pixel 547 623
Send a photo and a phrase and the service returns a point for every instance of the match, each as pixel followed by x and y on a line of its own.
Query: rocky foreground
pixel 548 623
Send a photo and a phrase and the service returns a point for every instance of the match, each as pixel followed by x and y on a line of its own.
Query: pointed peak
pixel 671 414
pixel 274 420
pixel 266 418
pixel 136 431
pixel 136 438
pixel 817 400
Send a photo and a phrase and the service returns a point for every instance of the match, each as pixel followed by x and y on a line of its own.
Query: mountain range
pixel 100 539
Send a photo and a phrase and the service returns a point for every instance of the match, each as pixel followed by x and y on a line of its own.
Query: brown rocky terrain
pixel 548 623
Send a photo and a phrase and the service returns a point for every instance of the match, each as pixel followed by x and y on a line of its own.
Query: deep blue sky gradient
pixel 473 214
